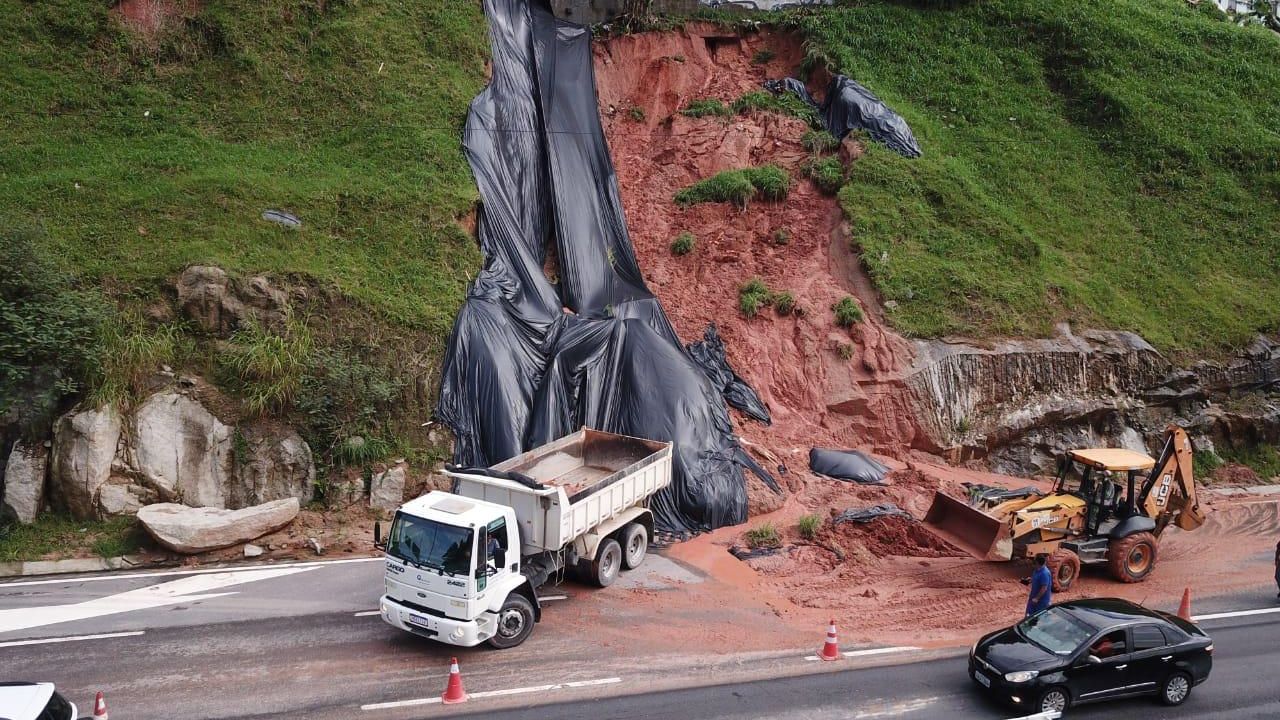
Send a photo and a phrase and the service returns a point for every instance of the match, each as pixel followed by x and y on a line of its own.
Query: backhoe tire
pixel 635 543
pixel 1065 567
pixel 1132 558
pixel 608 562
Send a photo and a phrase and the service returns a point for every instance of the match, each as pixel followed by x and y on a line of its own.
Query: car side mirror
pixel 377 536
pixel 1093 660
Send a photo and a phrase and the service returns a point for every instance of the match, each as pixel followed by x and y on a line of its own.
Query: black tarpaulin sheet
pixel 530 361
pixel 847 465
pixel 710 355
pixel 850 106
pixel 866 515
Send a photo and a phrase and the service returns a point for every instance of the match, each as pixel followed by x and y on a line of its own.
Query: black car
pixel 1088 650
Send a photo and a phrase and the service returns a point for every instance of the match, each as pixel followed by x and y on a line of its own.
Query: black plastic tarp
pixel 866 515
pixel 709 354
pixel 850 106
pixel 530 361
pixel 849 465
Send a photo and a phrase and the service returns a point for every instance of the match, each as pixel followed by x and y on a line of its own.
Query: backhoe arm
pixel 1169 493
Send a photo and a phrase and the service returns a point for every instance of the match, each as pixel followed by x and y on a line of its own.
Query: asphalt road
pixel 297 641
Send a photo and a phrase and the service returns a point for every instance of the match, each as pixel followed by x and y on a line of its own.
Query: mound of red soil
pixel 1235 474
pixel 892 536
pixel 150 17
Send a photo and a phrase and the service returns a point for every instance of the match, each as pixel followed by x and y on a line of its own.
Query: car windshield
pixel 1056 630
pixel 431 544
pixel 57 709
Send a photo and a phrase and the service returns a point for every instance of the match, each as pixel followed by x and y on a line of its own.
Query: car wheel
pixel 515 622
pixel 1055 699
pixel 635 543
pixel 604 569
pixel 1132 558
pixel 1064 565
pixel 1176 689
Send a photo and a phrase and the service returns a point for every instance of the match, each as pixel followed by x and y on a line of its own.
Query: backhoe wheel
pixel 1065 567
pixel 608 562
pixel 1132 558
pixel 635 543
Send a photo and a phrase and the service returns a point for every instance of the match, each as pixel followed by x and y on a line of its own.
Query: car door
pixel 1089 681
pixel 1151 658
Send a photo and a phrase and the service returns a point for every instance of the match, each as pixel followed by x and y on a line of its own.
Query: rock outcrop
pixel 274 463
pixel 386 492
pixel 181 450
pixel 24 477
pixel 191 530
pixel 219 305
pixel 83 447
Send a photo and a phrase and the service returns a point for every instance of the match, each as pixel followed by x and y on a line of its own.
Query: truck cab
pixel 453 572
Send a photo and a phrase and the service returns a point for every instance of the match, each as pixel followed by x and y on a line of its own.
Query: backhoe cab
pixel 1108 505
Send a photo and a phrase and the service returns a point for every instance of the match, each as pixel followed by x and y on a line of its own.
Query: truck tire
pixel 1065 567
pixel 635 543
pixel 515 622
pixel 1132 558
pixel 608 562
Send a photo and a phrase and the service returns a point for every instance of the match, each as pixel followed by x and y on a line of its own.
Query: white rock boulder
pixel 24 480
pixel 386 491
pixel 182 451
pixel 275 463
pixel 84 443
pixel 192 530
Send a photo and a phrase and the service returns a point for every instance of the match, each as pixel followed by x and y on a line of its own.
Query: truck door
pixel 500 556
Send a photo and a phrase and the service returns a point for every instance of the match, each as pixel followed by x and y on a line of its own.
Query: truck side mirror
pixel 500 558
pixel 377 536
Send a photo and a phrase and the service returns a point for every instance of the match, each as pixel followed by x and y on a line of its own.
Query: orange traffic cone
pixel 1184 610
pixel 99 707
pixel 454 692
pixel 831 648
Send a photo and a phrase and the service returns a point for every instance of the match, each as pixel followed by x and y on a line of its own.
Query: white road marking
pixel 1046 715
pixel 895 709
pixel 72 579
pixel 189 589
pixel 73 638
pixel 368 613
pixel 872 651
pixel 494 693
pixel 1237 613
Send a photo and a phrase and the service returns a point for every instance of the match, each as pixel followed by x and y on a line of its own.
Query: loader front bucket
pixel 968 528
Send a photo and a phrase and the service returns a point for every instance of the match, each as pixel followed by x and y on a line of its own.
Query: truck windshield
pixel 431 544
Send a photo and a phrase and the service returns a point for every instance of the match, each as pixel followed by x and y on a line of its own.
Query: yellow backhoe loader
pixel 1102 509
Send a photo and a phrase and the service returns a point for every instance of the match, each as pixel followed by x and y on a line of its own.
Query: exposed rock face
pixel 84 444
pixel 24 476
pixel 124 498
pixel 387 490
pixel 193 530
pixel 275 464
pixel 181 450
pixel 219 305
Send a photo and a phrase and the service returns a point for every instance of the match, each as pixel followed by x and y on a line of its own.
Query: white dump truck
pixel 464 567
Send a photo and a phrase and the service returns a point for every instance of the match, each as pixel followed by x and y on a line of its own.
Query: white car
pixel 34 701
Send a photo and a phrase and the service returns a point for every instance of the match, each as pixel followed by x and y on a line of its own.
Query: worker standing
pixel 1042 586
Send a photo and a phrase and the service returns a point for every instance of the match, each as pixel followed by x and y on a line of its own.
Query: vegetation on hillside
pixel 1112 163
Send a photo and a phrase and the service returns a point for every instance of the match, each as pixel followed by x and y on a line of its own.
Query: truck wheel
pixel 1065 567
pixel 635 543
pixel 515 622
pixel 604 569
pixel 1132 558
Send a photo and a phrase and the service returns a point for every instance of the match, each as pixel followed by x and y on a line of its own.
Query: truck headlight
pixel 457 634
pixel 1021 676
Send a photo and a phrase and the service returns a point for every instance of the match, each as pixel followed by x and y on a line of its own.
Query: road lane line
pixel 1237 613
pixel 871 651
pixel 73 638
pixel 895 709
pixel 71 579
pixel 494 693
pixel 368 613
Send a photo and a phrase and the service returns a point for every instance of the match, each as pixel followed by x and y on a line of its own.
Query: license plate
pixel 982 679
pixel 420 621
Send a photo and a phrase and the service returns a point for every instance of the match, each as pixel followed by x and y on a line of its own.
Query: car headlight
pixel 1021 676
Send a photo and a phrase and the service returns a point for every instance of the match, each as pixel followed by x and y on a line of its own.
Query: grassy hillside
pixel 134 155
pixel 1111 162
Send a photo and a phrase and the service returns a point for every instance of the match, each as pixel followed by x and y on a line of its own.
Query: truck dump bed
pixel 587 478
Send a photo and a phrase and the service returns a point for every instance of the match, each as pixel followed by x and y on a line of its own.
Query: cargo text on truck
pixel 464 567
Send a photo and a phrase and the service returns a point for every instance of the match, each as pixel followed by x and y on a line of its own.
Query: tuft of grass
pixel 819 141
pixel 706 107
pixel 808 525
pixel 130 350
pixel 59 536
pixel 826 173
pixel 737 186
pixel 845 350
pixel 683 245
pixel 1025 118
pixel 762 56
pixel 266 368
pixel 784 303
pixel 678 58
pixel 847 312
pixel 1262 459
pixel 763 536
pixel 786 104
pixel 782 236
pixel 752 296
pixel 636 114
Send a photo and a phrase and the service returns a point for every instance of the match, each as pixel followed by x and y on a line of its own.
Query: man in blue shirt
pixel 1041 587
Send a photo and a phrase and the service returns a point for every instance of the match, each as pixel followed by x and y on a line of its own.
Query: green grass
pixel 683 245
pixel 763 536
pixel 1262 459
pixel 826 173
pixel 819 141
pixel 137 158
pixel 782 236
pixel 762 56
pixel 752 296
pixel 784 302
pixel 847 312
pixel 1112 163
pixel 706 107
pixel 737 186
pixel 786 104
pixel 808 525
pixel 62 537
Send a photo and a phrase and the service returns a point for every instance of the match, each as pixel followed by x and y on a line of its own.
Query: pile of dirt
pixel 1235 474
pixel 891 536
pixel 149 18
